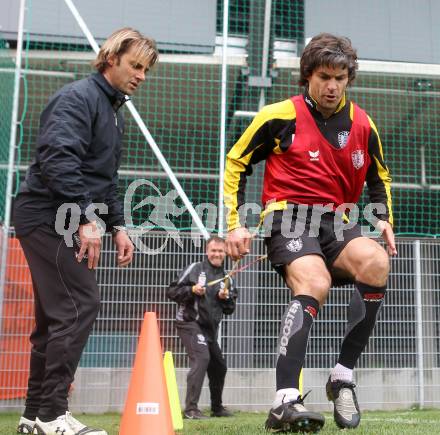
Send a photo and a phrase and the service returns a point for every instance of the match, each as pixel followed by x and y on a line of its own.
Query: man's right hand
pixel 198 289
pixel 90 237
pixel 238 243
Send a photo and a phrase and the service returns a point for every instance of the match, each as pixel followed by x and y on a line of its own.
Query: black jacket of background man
pixel 78 154
pixel 206 310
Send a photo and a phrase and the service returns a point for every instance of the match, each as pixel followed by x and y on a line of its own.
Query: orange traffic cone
pixel 147 408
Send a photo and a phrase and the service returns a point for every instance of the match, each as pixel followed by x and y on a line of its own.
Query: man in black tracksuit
pixel 201 307
pixel 78 154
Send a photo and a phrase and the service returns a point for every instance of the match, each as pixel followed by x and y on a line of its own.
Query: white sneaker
pixel 58 426
pixel 64 425
pixel 25 426
pixel 80 428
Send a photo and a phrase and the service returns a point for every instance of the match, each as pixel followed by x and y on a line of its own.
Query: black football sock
pixel 365 304
pixel 292 344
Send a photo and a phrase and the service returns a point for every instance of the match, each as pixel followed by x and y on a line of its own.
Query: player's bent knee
pixel 375 269
pixel 320 284
pixel 317 287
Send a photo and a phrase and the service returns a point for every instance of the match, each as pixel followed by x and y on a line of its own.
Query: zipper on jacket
pixel 117 105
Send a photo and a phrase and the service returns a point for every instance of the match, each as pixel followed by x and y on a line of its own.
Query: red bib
pixel 312 171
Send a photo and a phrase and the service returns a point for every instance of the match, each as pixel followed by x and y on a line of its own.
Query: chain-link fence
pixel 400 367
pixel 181 102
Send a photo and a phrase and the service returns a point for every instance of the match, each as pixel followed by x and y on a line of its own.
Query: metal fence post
pixel 420 361
pixel 223 116
pixel 222 156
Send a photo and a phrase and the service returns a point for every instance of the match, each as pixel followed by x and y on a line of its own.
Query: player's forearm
pixel 379 191
pixel 234 191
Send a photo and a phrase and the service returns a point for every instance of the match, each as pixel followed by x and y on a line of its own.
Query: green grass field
pixel 411 422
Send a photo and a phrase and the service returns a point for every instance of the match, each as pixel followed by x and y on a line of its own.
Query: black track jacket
pixel 206 310
pixel 78 154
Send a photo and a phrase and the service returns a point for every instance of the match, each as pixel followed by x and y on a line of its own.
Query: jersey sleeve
pixel 378 176
pixel 255 144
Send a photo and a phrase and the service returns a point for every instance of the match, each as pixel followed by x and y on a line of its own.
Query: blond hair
pixel 122 40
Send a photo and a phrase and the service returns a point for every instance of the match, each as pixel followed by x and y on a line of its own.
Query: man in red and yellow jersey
pixel 320 149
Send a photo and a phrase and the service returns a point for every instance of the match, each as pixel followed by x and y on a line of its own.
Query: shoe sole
pixel 196 418
pixel 301 425
pixel 341 424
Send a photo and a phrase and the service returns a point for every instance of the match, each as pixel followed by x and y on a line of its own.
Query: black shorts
pixel 324 237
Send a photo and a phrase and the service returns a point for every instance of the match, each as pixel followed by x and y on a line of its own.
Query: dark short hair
pixel 326 49
pixel 215 239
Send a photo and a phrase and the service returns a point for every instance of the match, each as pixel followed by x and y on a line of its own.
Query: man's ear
pixel 111 60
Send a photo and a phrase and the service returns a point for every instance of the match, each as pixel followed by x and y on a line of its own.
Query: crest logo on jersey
pixel 314 156
pixel 343 138
pixel 295 245
pixel 357 157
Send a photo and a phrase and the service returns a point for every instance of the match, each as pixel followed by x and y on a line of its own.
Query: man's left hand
pixel 223 293
pixel 125 248
pixel 388 235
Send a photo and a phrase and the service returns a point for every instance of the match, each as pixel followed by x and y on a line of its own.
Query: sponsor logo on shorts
pixel 357 157
pixel 295 245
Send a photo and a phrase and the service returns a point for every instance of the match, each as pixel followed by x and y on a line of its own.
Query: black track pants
pixel 66 305
pixel 205 357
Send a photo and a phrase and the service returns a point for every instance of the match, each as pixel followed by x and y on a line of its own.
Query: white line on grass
pixel 400 420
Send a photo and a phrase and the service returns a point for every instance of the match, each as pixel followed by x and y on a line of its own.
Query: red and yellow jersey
pixel 309 159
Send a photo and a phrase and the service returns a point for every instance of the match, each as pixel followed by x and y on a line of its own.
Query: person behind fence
pixel 200 310
pixel 319 149
pixel 74 174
